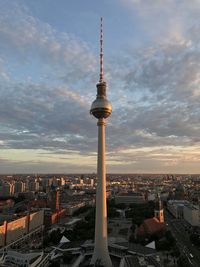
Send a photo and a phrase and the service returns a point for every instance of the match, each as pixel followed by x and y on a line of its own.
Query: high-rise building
pixel 101 109
pixel 33 186
pixel 19 187
pixel 5 189
pixel 62 181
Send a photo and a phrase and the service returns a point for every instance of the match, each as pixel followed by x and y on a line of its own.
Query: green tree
pixel 140 212
pixel 55 264
pixel 81 210
pixel 55 236
pixel 183 262
pixel 132 239
pixel 170 239
pixel 112 212
pixel 121 206
pixel 67 257
pixel 195 239
pixel 176 251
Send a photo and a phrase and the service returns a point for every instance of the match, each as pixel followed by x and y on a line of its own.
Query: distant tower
pixel 57 200
pixel 159 212
pixel 101 109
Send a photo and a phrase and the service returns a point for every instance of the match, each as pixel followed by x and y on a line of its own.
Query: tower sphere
pixel 101 107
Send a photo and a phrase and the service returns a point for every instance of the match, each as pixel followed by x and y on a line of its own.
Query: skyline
pixel 49 67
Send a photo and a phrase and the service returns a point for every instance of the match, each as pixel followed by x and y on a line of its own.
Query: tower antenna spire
pixel 101 78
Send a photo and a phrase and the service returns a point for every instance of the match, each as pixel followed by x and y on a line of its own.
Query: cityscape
pixel 49 220
pixel 106 176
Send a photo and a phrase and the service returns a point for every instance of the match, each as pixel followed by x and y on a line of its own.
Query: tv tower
pixel 101 109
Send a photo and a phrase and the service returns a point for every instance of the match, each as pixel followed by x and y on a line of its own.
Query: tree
pixel 81 210
pixel 55 236
pixel 55 264
pixel 176 251
pixel 168 243
pixel 133 227
pixel 121 206
pixel 67 257
pixel 195 239
pixel 132 239
pixel 170 239
pixel 140 212
pixel 111 203
pixel 183 262
pixel 112 213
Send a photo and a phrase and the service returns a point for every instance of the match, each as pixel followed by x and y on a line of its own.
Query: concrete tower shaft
pixel 101 109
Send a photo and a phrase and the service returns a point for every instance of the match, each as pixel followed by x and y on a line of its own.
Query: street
pixel 177 227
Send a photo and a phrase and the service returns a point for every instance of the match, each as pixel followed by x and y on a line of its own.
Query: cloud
pixel 160 91
pixel 47 85
pixel 158 96
pixel 28 40
pixel 38 65
pixel 35 116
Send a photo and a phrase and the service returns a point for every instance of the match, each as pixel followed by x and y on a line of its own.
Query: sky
pixel 49 67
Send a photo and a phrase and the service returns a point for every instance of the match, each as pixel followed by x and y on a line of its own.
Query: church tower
pixel 159 211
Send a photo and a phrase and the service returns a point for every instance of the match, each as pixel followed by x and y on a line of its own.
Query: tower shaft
pixel 101 109
pixel 101 253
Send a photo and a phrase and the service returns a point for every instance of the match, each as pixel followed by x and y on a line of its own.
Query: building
pixel 153 226
pixel 179 192
pixel 191 214
pixel 122 254
pixel 15 258
pixel 14 230
pixel 33 186
pixel 71 208
pixel 129 198
pixel 176 207
pixel 19 187
pixel 5 189
pixel 62 181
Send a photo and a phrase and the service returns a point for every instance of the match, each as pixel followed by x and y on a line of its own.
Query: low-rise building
pixel 71 208
pixel 191 214
pixel 129 198
pixel 15 258
pixel 176 207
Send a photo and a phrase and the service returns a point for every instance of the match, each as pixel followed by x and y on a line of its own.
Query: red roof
pixel 150 226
